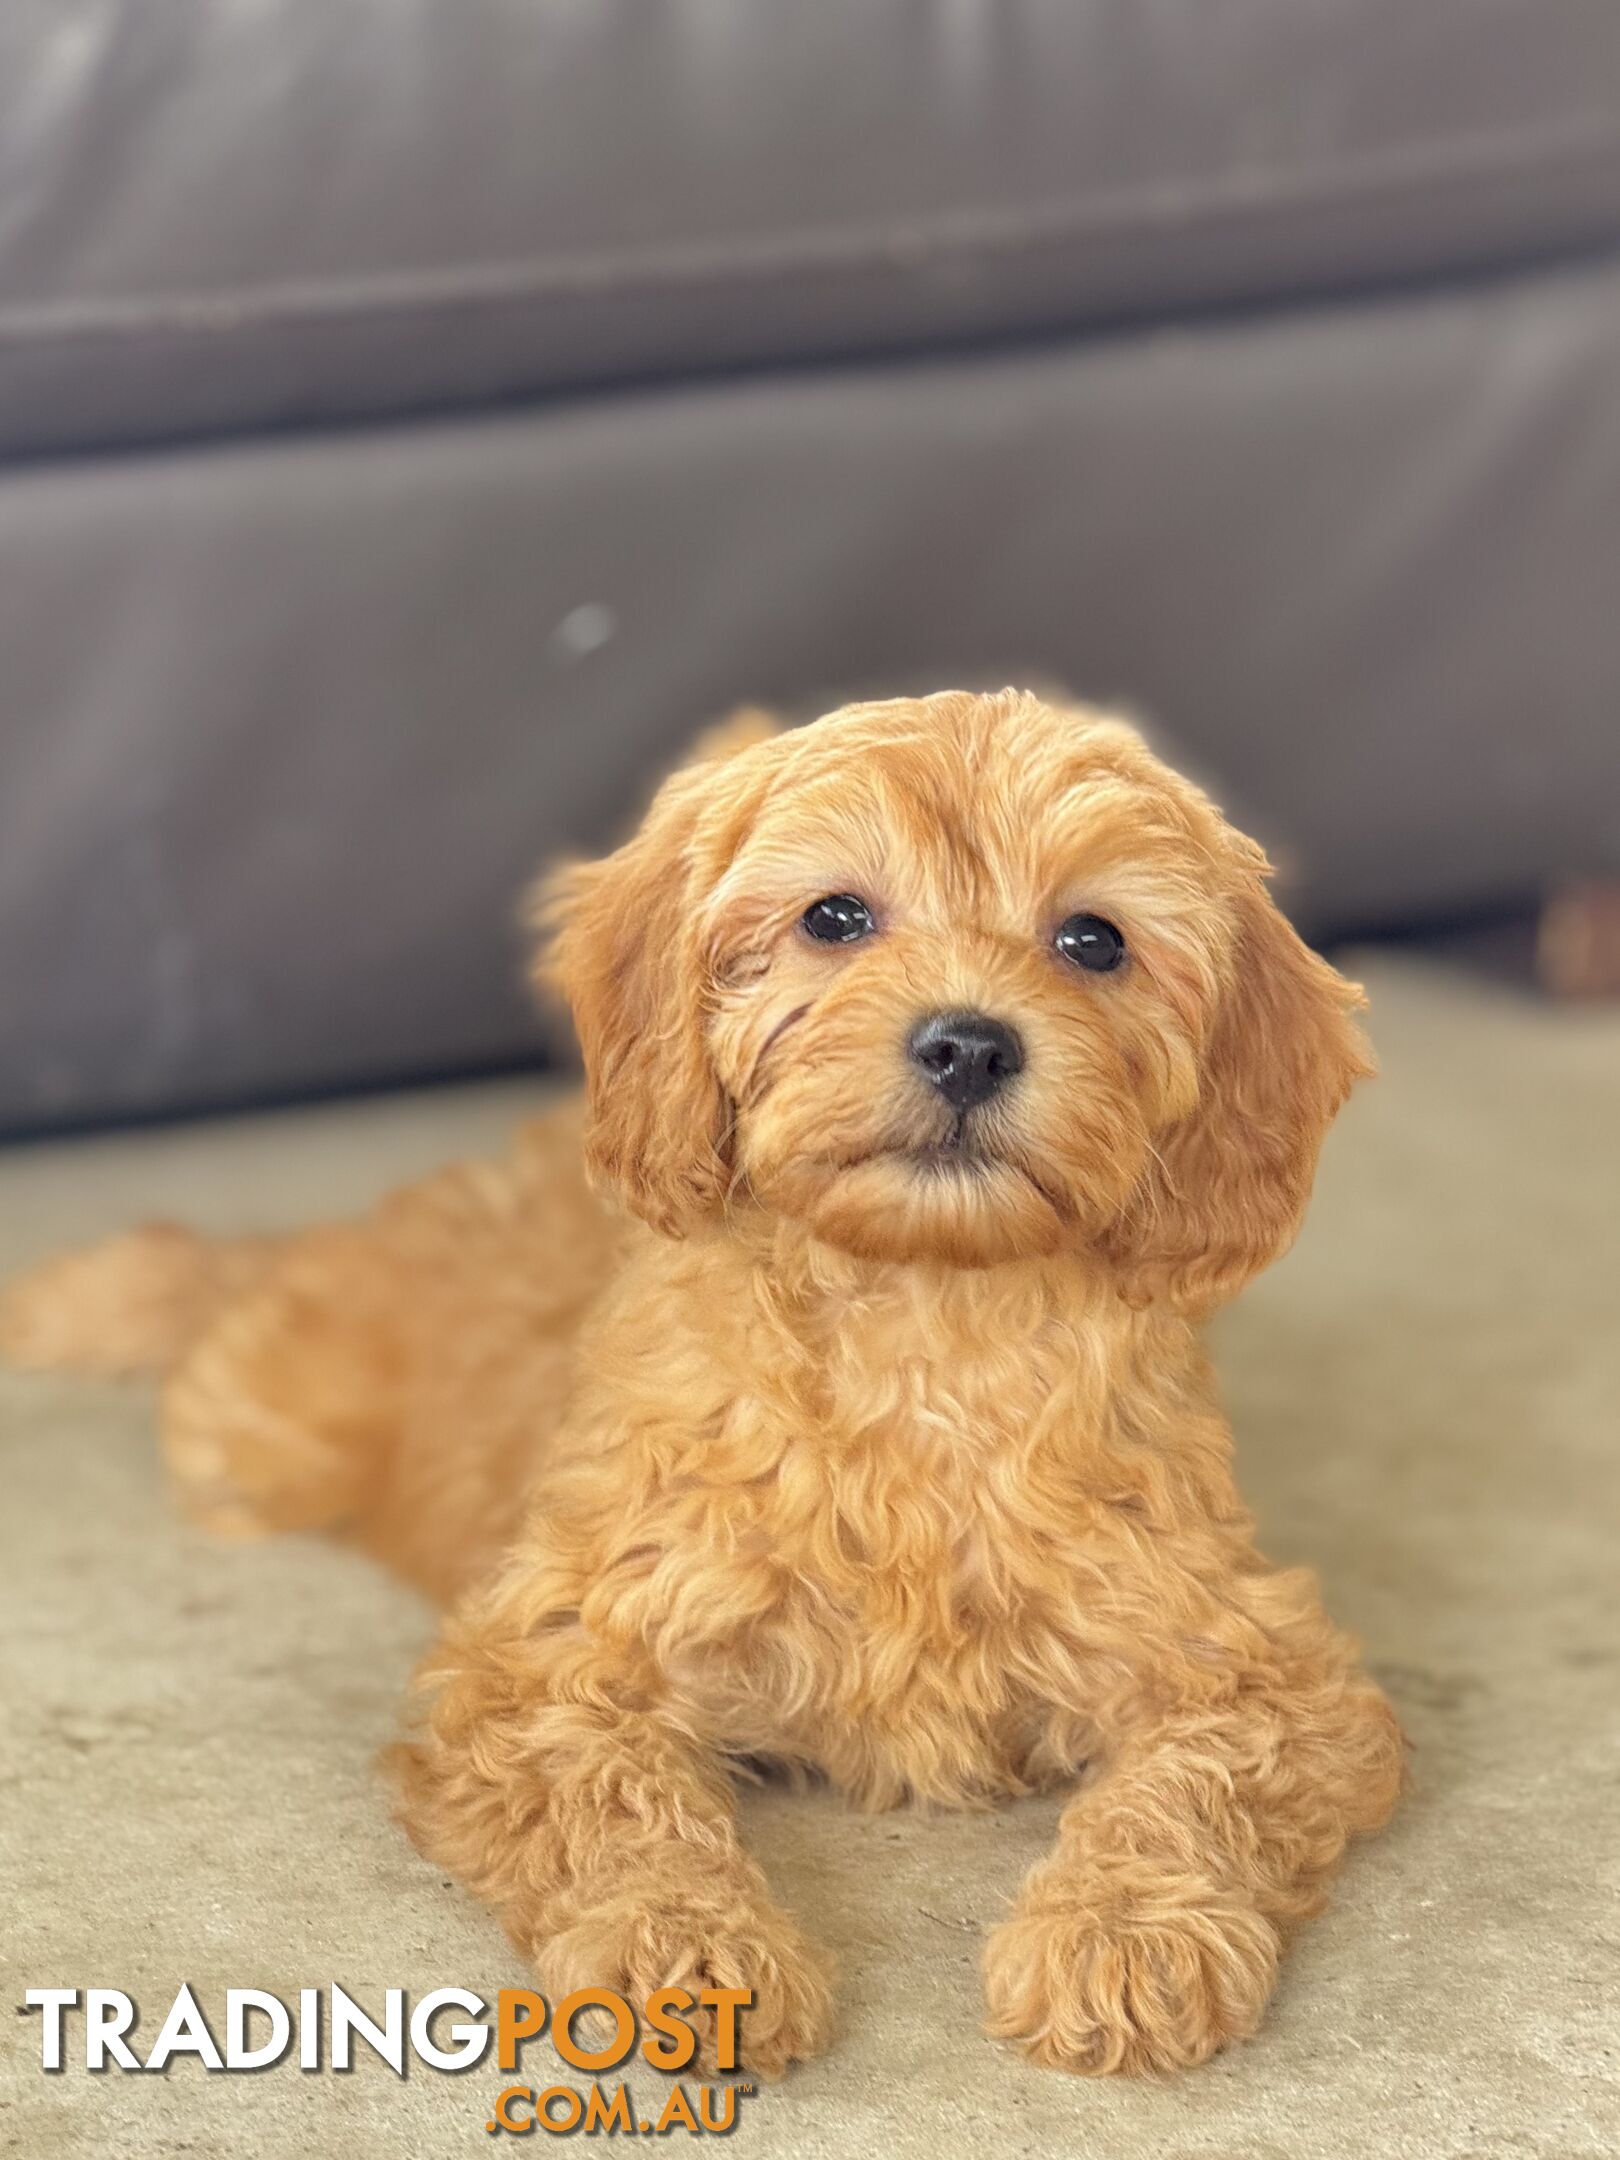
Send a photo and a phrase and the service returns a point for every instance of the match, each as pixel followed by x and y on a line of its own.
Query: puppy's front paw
pixel 700 1934
pixel 1122 1967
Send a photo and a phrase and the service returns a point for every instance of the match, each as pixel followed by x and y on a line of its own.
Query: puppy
pixel 949 1064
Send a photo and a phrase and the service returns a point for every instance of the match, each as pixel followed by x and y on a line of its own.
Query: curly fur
pixel 846 1457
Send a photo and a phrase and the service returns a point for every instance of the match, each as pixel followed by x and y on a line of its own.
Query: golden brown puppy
pixel 956 1065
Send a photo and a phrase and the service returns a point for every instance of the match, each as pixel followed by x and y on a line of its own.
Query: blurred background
pixel 417 417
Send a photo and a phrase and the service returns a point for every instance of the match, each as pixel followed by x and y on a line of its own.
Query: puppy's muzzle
pixel 968 1056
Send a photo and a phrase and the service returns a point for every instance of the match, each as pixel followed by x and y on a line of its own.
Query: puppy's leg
pixel 556 1780
pixel 280 1415
pixel 1152 1934
pixel 395 1379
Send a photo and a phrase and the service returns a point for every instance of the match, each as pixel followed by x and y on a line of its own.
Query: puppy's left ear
pixel 624 951
pixel 1228 1186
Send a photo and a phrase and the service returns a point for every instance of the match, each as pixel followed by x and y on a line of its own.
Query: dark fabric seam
pixel 372 296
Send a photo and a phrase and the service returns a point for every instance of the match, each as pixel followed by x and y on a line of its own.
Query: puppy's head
pixel 961 979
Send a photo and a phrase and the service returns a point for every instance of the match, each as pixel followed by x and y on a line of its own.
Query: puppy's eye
pixel 838 920
pixel 1091 943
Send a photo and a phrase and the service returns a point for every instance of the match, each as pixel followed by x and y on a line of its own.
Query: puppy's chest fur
pixel 903 1530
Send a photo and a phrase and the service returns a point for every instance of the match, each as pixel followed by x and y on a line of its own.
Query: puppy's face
pixel 960 980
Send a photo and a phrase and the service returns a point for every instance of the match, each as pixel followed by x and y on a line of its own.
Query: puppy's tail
pixel 133 1304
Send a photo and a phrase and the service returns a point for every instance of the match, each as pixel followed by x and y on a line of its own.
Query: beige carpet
pixel 1427 1396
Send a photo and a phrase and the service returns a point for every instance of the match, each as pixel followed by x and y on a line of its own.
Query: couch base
pixel 291 723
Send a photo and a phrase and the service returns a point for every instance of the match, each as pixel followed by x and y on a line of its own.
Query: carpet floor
pixel 1427 1399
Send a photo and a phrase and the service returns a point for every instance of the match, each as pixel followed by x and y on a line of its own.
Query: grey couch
pixel 416 416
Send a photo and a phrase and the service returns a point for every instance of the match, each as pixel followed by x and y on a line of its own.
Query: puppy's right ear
pixel 622 948
pixel 1226 1187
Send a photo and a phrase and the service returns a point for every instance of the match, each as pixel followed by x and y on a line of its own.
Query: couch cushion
pixel 288 725
pixel 227 214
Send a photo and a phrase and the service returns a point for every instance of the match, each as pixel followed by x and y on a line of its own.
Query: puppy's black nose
pixel 967 1055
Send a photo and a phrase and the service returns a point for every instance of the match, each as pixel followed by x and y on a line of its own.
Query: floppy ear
pixel 623 950
pixel 1228 1187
